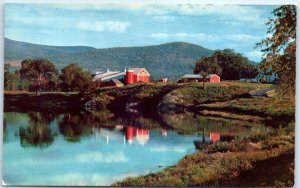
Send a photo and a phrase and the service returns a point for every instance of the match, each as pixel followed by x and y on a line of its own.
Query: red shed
pixel 214 78
pixel 134 75
pixel 199 78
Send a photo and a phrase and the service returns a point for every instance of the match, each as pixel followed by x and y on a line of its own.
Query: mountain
pixel 15 50
pixel 171 60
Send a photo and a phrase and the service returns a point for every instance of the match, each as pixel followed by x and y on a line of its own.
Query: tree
pixel 250 71
pixel 279 49
pixel 11 80
pixel 206 66
pixel 73 78
pixel 38 72
pixel 228 64
pixel 231 62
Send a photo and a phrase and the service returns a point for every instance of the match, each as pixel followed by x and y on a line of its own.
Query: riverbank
pixel 54 101
pixel 220 162
pixel 215 100
pixel 172 102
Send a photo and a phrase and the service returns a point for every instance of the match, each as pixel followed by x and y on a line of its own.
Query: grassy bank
pixel 54 101
pixel 222 160
pixel 271 108
pixel 173 97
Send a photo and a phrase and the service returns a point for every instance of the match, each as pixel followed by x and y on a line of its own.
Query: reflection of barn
pixel 142 135
pixel 120 132
pixel 199 78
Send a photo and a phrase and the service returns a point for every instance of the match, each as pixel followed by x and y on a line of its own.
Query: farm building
pixel 263 76
pixel 199 78
pixel 108 78
pixel 267 77
pixel 134 75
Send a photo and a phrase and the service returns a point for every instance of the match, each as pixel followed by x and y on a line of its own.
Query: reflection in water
pixel 73 127
pixel 105 147
pixel 4 130
pixel 38 133
pixel 211 128
pixel 142 135
pixel 127 134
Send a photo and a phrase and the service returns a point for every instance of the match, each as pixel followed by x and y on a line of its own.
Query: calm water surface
pixel 100 148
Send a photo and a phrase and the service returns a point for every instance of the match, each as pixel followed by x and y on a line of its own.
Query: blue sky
pixel 115 25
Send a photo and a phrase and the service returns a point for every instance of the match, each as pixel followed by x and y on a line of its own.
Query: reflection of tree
pixel 38 133
pixel 74 126
pixel 189 123
pixel 4 130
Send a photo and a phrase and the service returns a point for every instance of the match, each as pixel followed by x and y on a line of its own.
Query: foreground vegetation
pixel 223 161
pixel 48 101
pixel 215 164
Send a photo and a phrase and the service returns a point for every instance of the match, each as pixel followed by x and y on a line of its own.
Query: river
pixel 99 148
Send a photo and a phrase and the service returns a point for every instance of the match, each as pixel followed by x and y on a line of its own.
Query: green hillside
pixel 170 60
pixel 15 50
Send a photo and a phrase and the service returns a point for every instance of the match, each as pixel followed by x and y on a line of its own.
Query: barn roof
pixel 102 76
pixel 138 70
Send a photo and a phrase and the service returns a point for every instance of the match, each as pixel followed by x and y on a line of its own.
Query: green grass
pixel 219 160
pixel 172 94
pixel 273 107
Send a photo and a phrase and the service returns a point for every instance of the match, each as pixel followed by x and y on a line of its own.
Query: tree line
pixel 228 64
pixel 41 75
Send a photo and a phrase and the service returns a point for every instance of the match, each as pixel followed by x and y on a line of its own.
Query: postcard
pixel 149 95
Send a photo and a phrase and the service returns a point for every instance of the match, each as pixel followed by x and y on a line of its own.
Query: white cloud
pixel 164 18
pixel 176 149
pixel 238 12
pixel 207 37
pixel 112 26
pixel 179 36
pixel 242 38
pixel 168 35
pixel 83 179
pixel 97 157
pixel 160 35
pixel 256 54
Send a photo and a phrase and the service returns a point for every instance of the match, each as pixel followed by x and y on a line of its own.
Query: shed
pixel 199 78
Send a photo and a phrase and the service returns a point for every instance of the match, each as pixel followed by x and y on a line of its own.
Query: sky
pixel 124 25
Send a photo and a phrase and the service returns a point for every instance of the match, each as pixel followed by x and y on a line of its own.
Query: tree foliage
pixel 39 72
pixel 206 66
pixel 74 78
pixel 228 64
pixel 279 48
pixel 12 81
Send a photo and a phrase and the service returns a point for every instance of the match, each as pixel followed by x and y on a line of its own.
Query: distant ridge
pixel 171 60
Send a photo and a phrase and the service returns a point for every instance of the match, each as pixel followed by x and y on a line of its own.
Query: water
pixel 101 148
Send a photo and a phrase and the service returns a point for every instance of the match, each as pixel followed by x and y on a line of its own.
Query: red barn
pixel 134 75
